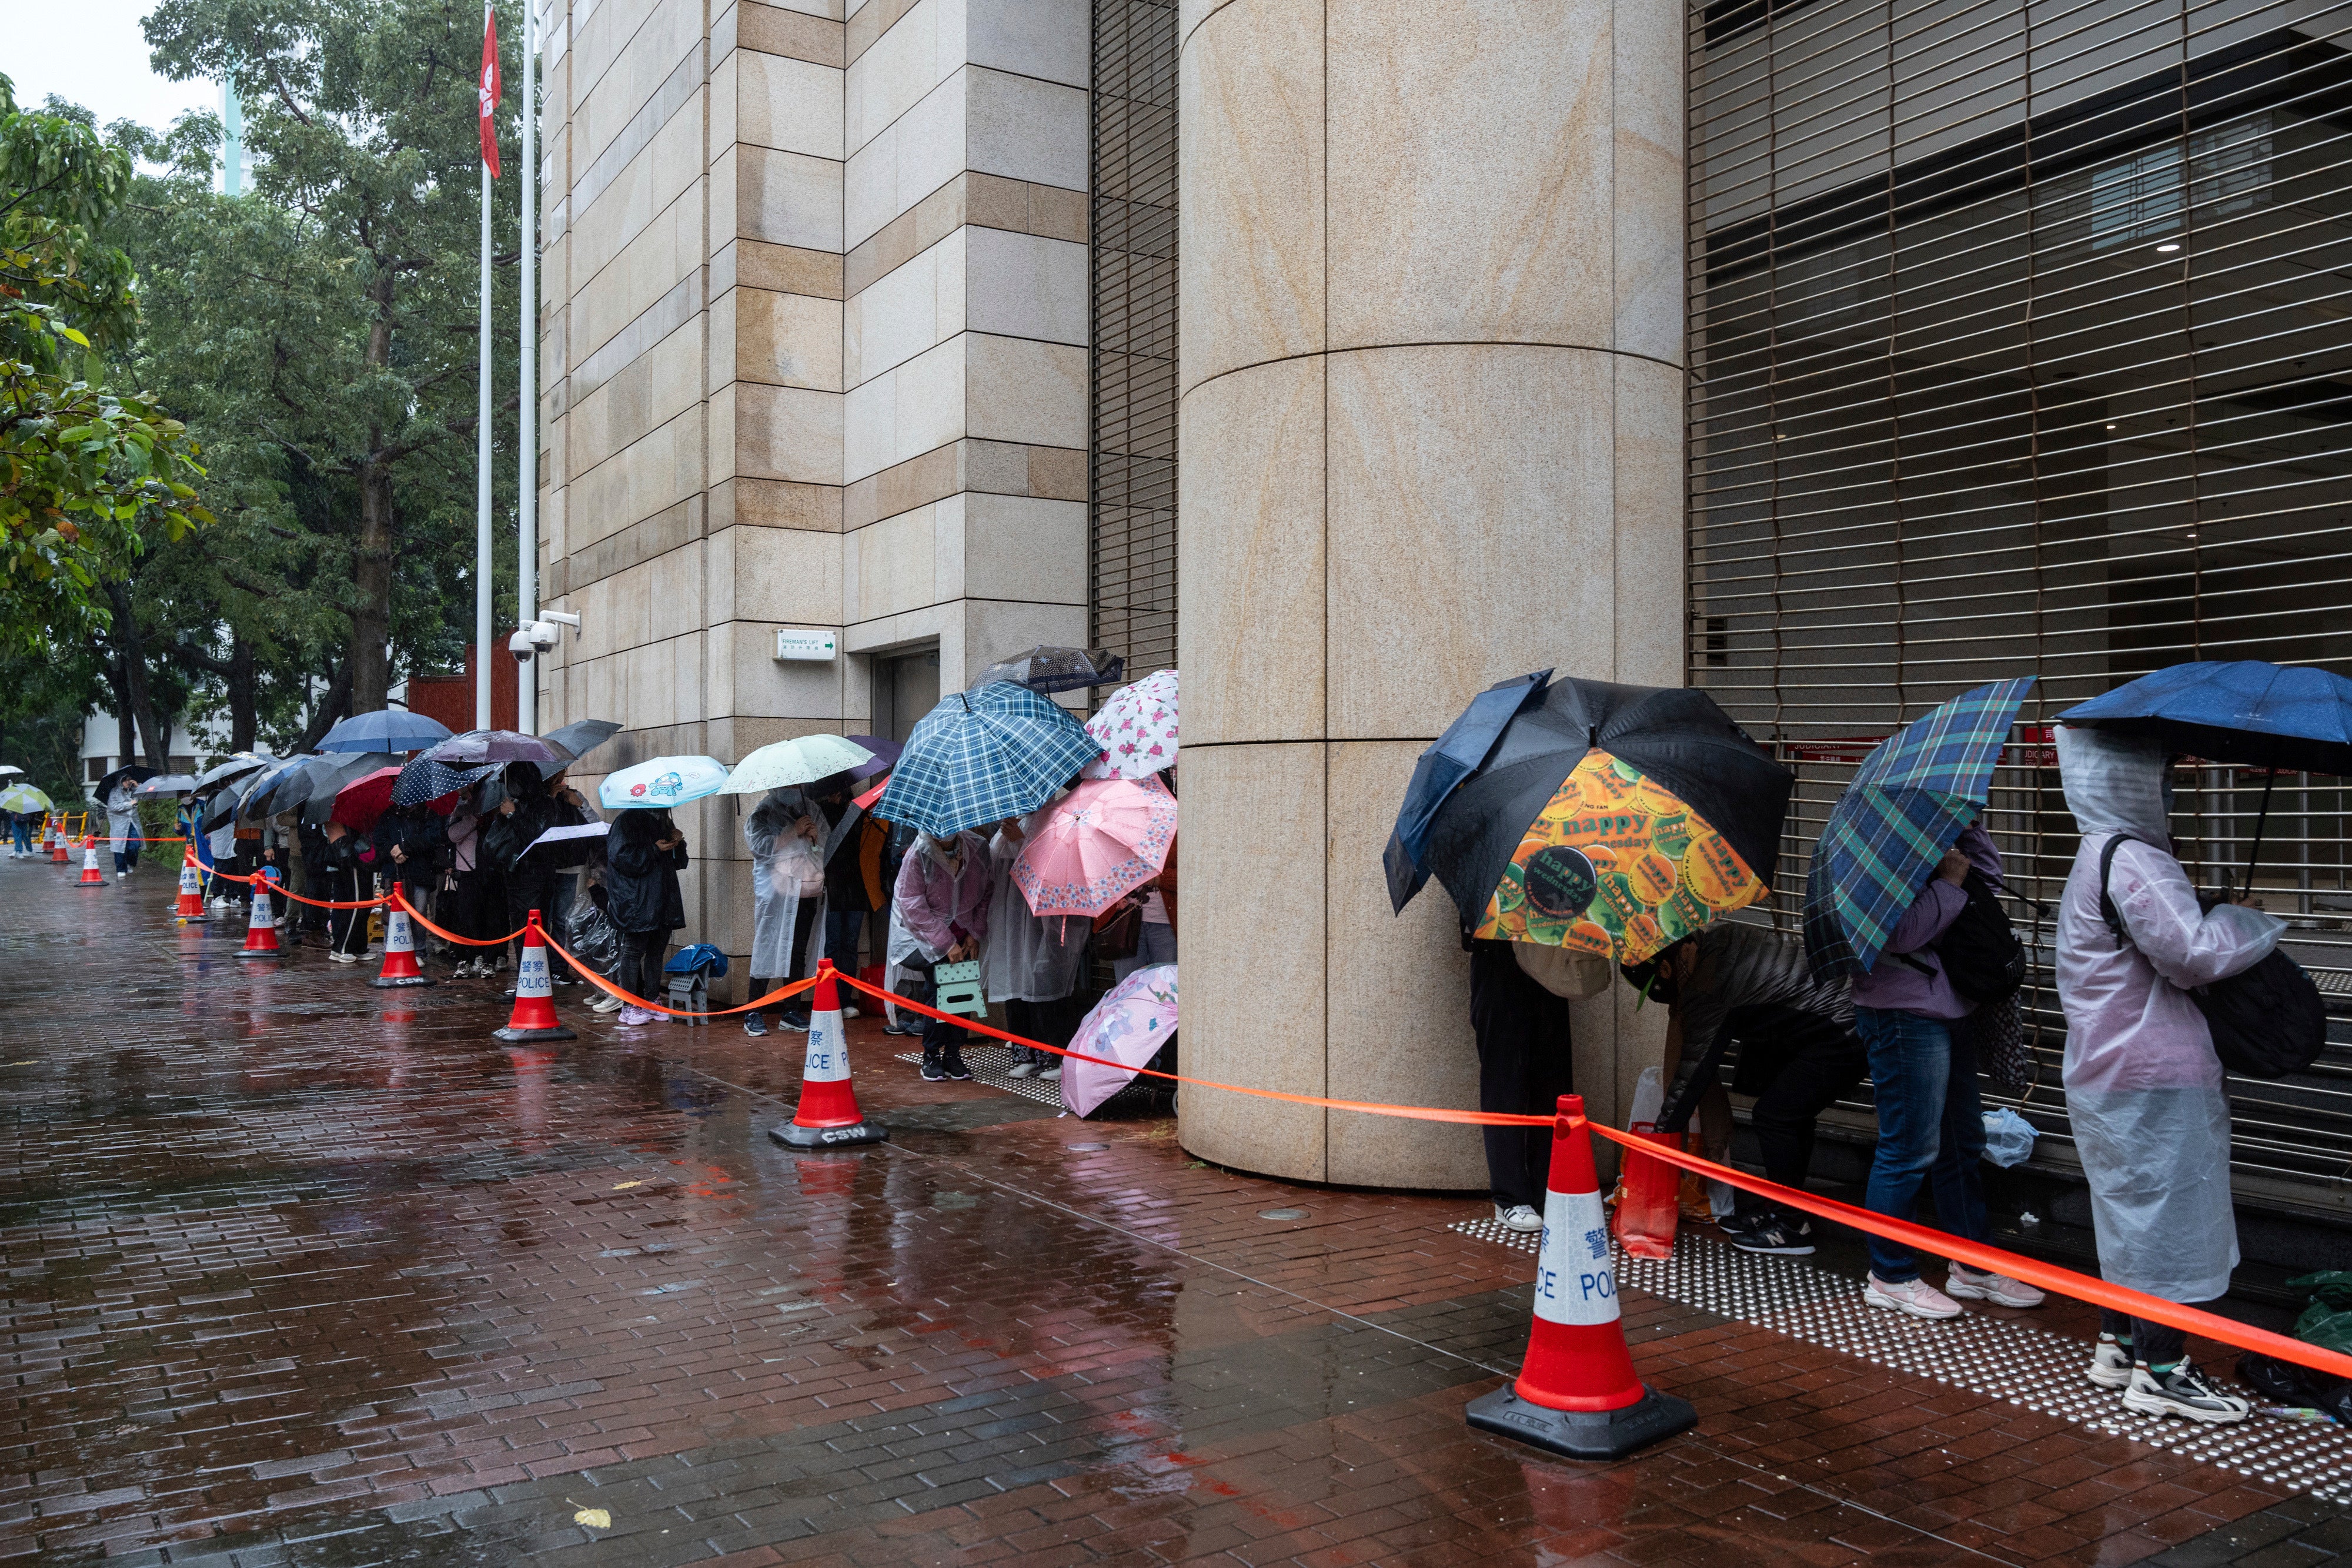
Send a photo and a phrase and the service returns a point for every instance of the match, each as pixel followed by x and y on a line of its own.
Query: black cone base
pixel 1583 1434
pixel 380 984
pixel 795 1137
pixel 513 1036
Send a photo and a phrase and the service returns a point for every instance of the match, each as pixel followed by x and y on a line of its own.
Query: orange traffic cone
pixel 57 845
pixel 534 1009
pixel 1576 1392
pixel 399 954
pixel 90 875
pixel 828 1116
pixel 191 907
pixel 261 926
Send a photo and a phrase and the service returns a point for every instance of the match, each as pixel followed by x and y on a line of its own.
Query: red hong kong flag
pixel 489 93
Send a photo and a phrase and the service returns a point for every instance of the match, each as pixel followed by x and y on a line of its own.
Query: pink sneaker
pixel 1997 1289
pixel 632 1015
pixel 1916 1297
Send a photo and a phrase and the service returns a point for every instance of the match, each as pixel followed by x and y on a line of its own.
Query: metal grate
pixel 2022 341
pixel 1131 449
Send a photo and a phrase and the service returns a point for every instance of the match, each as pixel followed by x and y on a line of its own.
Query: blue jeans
pixel 1930 1131
pixel 24 831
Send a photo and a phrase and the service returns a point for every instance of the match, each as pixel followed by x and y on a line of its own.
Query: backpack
pixel 2266 1021
pixel 1981 954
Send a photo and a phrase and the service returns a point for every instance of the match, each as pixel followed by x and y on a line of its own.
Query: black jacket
pixel 508 835
pixel 641 890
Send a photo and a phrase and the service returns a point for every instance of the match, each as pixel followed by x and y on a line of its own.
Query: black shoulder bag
pixel 2266 1021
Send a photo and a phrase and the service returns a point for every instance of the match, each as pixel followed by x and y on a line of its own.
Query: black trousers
pixel 1052 1022
pixel 937 1034
pixel 529 891
pixel 641 964
pixel 2155 1344
pixel 1826 1064
pixel 1525 1065
pixel 347 927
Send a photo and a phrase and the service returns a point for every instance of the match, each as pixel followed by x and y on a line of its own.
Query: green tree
pixel 348 304
pixel 86 474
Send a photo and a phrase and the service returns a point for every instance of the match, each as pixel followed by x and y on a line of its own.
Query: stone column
pixel 1432 372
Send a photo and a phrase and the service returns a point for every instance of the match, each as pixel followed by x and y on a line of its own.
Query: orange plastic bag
pixel 1646 1219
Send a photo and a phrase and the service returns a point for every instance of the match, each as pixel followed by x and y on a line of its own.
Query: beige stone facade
pixel 815 321
pixel 1432 383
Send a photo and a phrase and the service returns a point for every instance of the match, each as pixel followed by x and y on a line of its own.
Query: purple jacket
pixel 1895 986
pixel 939 906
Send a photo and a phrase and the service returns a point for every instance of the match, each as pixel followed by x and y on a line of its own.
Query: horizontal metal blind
pixel 1131 461
pixel 2021 339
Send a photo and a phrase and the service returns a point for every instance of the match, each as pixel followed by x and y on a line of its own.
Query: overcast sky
pixel 92 53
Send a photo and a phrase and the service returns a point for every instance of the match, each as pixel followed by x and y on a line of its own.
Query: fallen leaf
pixel 624 1186
pixel 593 1518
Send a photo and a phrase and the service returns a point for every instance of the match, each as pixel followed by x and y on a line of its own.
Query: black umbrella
pixel 133 771
pixel 1676 736
pixel 1049 669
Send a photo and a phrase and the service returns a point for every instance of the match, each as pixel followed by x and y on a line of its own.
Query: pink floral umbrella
pixel 1105 838
pixel 1129 1026
pixel 1136 729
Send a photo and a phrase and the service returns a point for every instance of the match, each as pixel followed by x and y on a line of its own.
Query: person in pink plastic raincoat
pixel 2144 1091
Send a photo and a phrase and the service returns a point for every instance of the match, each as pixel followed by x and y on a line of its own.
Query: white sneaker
pixel 2111 1363
pixel 633 1016
pixel 1917 1298
pixel 1022 1069
pixel 2182 1391
pixel 1518 1216
pixel 1997 1289
pixel 847 1012
pixel 341 958
pixel 1053 1072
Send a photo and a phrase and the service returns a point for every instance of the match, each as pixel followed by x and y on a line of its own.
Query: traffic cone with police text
pixel 191 907
pixel 261 927
pixel 827 1116
pixel 1577 1394
pixel 57 845
pixel 90 875
pixel 400 953
pixel 534 1009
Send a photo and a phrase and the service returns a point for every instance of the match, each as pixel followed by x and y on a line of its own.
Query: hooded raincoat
pixel 1029 958
pixel 2143 1086
pixel 782 863
pixel 121 815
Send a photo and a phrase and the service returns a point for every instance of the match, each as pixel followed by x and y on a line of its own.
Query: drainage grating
pixel 993 1065
pixel 1998 1357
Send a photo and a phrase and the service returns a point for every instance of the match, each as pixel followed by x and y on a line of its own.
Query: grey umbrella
pixel 236 766
pixel 581 737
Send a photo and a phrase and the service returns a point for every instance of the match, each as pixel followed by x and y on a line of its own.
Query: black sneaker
pixel 754 1024
pixel 900 1028
pixel 954 1064
pixel 797 1025
pixel 932 1072
pixel 1775 1234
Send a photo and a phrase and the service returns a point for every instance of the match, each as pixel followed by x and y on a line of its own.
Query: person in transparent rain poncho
pixel 2144 1091
pixel 786 837
pixel 1032 961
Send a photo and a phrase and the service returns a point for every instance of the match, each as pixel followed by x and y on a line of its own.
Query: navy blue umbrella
pixel 2248 712
pixel 391 730
pixel 426 779
pixel 1453 757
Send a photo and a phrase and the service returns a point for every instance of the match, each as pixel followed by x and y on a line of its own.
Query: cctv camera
pixel 520 645
pixel 544 634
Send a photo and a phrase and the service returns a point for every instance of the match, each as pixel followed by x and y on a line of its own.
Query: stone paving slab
pixel 301 1272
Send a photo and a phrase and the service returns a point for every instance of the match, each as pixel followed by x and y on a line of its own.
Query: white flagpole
pixel 526 444
pixel 484 649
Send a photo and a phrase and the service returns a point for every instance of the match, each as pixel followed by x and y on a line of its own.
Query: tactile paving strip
pixel 993 1065
pixel 1998 1357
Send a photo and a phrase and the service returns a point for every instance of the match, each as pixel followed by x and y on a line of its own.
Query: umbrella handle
pixel 2261 821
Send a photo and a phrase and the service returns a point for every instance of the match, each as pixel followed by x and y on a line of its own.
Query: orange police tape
pixel 794 990
pixel 285 891
pixel 2065 1282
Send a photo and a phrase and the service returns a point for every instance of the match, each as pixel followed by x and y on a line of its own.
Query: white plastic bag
pixel 1571 976
pixel 1649 1099
pixel 2009 1137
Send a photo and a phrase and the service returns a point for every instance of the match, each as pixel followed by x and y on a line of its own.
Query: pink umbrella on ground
pixel 1130 1025
pixel 1107 838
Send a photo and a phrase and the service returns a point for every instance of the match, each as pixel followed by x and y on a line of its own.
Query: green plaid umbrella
pixel 1908 804
pixel 983 755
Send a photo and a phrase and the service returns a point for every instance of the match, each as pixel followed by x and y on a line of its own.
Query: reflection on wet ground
pixel 299 1271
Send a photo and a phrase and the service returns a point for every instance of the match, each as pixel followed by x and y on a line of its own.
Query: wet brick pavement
pixel 302 1272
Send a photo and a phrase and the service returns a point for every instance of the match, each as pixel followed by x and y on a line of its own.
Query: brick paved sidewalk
pixel 303 1272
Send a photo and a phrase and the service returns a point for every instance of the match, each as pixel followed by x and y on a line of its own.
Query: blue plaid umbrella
pixel 426 779
pixel 983 755
pixel 1907 805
